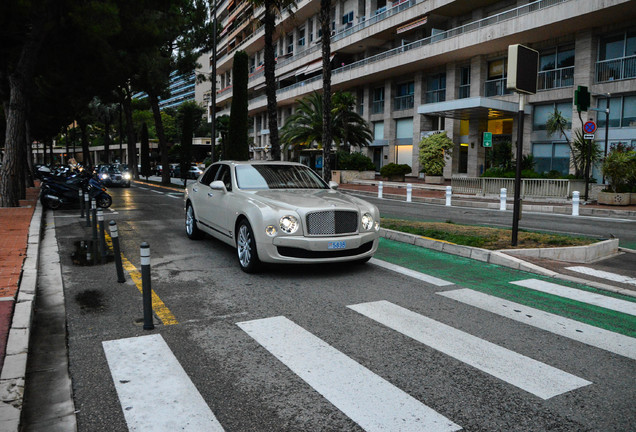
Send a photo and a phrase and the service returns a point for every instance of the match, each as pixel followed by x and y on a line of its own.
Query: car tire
pixel 192 231
pixel 246 248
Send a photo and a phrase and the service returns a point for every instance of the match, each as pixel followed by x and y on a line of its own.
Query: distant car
pixel 111 175
pixel 193 172
pixel 279 212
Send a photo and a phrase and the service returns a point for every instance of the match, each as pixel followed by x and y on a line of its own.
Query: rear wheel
pixel 104 200
pixel 246 248
pixel 192 231
pixel 53 204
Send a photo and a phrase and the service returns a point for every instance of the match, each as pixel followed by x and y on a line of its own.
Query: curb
pixel 494 257
pixel 12 378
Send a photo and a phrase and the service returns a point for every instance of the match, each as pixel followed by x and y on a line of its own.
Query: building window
pixel 551 157
pixel 301 36
pixel 378 101
pixel 622 112
pixel 347 19
pixel 464 82
pixel 541 113
pixel 556 68
pixel 378 131
pixel 290 44
pixel 616 57
pixel 497 73
pixel 404 96
pixel 436 88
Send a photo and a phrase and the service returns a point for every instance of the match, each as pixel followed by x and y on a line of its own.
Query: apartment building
pixel 421 66
pixel 180 89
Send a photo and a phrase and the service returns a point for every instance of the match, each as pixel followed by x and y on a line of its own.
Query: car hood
pixel 304 199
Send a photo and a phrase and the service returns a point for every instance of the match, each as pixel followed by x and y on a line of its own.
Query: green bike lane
pixel 496 280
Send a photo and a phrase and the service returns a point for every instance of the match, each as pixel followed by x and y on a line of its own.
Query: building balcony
pixel 464 91
pixel 377 107
pixel 435 96
pixel 616 69
pixel 496 87
pixel 401 103
pixel 557 78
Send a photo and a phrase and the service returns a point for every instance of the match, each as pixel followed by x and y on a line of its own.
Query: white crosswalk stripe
pixel 530 375
pixel 369 400
pixel 614 277
pixel 155 392
pixel 584 333
pixel 411 273
pixel 600 300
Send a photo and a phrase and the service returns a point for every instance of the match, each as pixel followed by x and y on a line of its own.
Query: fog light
pixel 377 226
pixel 270 230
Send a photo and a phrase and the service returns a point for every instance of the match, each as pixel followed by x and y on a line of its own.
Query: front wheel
pixel 246 248
pixel 192 231
pixel 104 200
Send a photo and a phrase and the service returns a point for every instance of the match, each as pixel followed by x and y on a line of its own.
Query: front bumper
pixel 299 249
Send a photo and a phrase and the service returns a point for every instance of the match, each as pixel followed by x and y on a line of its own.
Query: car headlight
pixel 104 176
pixel 367 221
pixel 288 224
pixel 127 176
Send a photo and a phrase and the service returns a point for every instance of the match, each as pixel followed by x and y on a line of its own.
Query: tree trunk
pixel 130 134
pixel 107 138
pixel 325 25
pixel 9 172
pixel 270 81
pixel 28 178
pixel 86 152
pixel 163 145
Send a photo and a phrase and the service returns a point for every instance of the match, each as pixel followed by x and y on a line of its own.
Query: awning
pixel 412 25
pixel 317 65
pixel 287 75
pixel 476 108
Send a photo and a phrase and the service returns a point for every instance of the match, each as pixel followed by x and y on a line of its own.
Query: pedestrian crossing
pixel 612 277
pixel 369 400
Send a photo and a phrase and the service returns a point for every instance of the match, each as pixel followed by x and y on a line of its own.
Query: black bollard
pixel 146 286
pixel 102 234
pixel 86 206
pixel 94 210
pixel 114 235
pixel 80 193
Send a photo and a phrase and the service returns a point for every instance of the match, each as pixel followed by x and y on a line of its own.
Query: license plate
pixel 337 245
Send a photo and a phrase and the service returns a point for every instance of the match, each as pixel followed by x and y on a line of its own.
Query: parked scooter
pixel 59 190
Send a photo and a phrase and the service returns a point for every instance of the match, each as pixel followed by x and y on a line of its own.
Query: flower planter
pixel 633 198
pixel 612 198
pixel 430 179
pixel 347 176
pixel 395 178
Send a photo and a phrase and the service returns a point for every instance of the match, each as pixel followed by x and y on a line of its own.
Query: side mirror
pixel 218 185
pixel 333 185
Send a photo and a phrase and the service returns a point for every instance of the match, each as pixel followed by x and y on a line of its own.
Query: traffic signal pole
pixel 516 210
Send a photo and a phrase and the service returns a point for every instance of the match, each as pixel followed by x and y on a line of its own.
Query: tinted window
pixel 225 176
pixel 209 175
pixel 278 177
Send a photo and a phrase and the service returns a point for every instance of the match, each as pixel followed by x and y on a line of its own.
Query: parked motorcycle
pixel 60 190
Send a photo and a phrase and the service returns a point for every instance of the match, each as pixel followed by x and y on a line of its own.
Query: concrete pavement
pixel 14 370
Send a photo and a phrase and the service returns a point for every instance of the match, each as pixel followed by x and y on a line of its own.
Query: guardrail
pixel 536 188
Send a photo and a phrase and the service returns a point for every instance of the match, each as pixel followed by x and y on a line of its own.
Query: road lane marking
pixel 579 295
pixel 156 191
pixel 615 277
pixel 155 392
pixel 142 188
pixel 411 273
pixel 158 306
pixel 173 196
pixel 575 330
pixel 369 400
pixel 523 372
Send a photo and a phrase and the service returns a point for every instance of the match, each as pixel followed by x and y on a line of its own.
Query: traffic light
pixel 582 98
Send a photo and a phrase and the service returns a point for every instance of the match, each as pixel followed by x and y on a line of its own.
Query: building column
pixel 389 123
pixel 478 75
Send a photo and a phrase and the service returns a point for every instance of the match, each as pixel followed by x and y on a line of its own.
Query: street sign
pixel 589 127
pixel 487 139
pixel 588 136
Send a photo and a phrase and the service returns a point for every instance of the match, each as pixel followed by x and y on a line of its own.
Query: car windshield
pixel 273 176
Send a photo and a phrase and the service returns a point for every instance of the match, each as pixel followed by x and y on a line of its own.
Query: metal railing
pixel 556 78
pixel 616 69
pixel 377 107
pixel 496 87
pixel 536 188
pixel 434 96
pixel 464 91
pixel 403 102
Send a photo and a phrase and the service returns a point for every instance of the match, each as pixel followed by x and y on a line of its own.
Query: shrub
pixel 354 161
pixel 393 169
pixel 620 169
pixel 434 150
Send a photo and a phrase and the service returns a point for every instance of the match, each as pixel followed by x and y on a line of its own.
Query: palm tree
pixel 273 8
pixel 306 126
pixel 325 25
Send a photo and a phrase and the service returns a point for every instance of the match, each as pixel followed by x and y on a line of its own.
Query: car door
pixel 219 209
pixel 199 196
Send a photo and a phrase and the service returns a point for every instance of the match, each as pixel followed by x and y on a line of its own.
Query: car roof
pixel 259 162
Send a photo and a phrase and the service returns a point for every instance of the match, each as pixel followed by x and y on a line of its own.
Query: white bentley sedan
pixel 279 212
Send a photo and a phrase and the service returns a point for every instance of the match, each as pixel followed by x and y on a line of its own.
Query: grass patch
pixel 483 237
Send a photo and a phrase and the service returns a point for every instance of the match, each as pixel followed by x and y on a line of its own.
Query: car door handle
pixel 195 189
pixel 210 194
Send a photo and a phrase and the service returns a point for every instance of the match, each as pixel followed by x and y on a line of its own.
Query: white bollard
pixel 575 203
pixel 503 193
pixel 380 187
pixel 449 192
pixel 409 192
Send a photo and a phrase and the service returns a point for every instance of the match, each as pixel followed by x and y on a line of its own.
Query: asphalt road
pixel 258 371
pixel 594 226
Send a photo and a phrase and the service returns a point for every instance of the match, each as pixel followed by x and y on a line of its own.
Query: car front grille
pixel 330 222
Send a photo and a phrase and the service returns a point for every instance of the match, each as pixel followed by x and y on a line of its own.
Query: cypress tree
pixel 237 147
pixel 145 150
